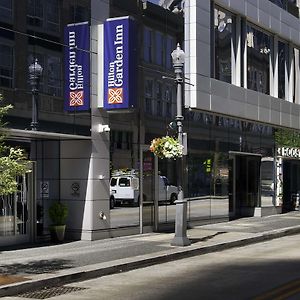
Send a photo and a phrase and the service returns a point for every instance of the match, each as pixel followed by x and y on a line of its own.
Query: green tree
pixel 13 161
pixel 287 137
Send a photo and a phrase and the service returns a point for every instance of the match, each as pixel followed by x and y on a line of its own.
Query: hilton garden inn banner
pixel 120 64
pixel 77 67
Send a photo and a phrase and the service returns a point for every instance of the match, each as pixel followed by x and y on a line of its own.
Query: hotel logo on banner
pixel 115 95
pixel 119 63
pixel 77 67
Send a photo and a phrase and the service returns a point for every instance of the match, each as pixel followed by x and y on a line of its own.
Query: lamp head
pixel 178 56
pixel 35 69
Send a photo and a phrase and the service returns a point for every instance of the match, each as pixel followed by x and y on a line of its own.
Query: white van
pixel 125 189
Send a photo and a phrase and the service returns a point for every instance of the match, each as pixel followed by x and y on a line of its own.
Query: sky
pixel 154 1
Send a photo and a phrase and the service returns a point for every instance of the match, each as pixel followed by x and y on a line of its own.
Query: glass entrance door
pixel 148 197
pixel 244 190
pixel 16 213
pixel 291 184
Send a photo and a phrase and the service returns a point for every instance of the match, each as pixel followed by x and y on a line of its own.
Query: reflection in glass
pixel 148 95
pixel 282 68
pixel 168 190
pixel 6 11
pixel 267 181
pixel 258 60
pixel 169 48
pixel 6 65
pixel 160 47
pixel 148 45
pixel 289 5
pixel 159 110
pixel 223 44
pixel 14 211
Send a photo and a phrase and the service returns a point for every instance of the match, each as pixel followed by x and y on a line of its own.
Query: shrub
pixel 58 213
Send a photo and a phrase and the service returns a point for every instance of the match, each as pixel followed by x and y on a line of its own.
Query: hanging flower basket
pixel 166 147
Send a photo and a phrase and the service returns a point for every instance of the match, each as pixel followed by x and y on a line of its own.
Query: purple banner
pixel 120 63
pixel 77 67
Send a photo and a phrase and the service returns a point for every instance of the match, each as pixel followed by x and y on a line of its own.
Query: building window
pixel 160 48
pixel 79 13
pixel 258 60
pixel 170 46
pixel 283 53
pixel 168 101
pixel 295 76
pixel 148 45
pixel 148 95
pixel 6 66
pixel 128 140
pixel 224 41
pixel 158 95
pixel 121 140
pixel 292 6
pixel 51 81
pixel 6 11
pixel 54 76
pixel 43 14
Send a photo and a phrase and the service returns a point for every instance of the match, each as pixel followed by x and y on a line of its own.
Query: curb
pixel 128 264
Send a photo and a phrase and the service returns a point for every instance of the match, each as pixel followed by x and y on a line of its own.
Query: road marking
pixel 282 292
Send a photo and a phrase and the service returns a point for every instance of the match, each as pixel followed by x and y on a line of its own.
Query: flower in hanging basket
pixel 166 147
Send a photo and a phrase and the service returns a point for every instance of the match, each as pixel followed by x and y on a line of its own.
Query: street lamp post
pixel 35 72
pixel 180 238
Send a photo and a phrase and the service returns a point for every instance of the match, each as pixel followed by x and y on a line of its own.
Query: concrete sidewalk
pixel 49 265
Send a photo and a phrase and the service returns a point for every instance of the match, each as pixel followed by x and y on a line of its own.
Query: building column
pixel 85 163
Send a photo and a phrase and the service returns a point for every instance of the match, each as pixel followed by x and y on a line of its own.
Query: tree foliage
pixel 13 161
pixel 287 137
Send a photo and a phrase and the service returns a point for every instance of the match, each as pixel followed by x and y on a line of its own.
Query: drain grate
pixel 49 292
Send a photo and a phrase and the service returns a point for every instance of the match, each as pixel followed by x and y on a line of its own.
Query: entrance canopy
pixel 42 135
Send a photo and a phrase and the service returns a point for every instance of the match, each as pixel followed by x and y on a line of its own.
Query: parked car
pixel 125 189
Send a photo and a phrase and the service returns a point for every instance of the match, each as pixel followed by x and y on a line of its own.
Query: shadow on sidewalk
pixel 36 267
pixel 206 238
pixel 33 245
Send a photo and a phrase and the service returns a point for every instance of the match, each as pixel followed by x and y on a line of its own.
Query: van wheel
pixel 173 198
pixel 112 202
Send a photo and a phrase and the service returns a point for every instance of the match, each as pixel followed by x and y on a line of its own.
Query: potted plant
pixel 58 213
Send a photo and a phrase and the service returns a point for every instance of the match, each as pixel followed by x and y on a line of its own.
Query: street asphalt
pixel 28 268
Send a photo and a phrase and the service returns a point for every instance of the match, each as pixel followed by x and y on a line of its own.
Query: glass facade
pixel 44 15
pixel 213 142
pixel 6 66
pixel 6 11
pixel 260 62
pixel 41 38
pixel 148 45
pixel 14 210
pixel 221 150
pixel 157 48
pixel 159 98
pixel 259 52
pixel 224 24
pixel 292 6
pixel 283 62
